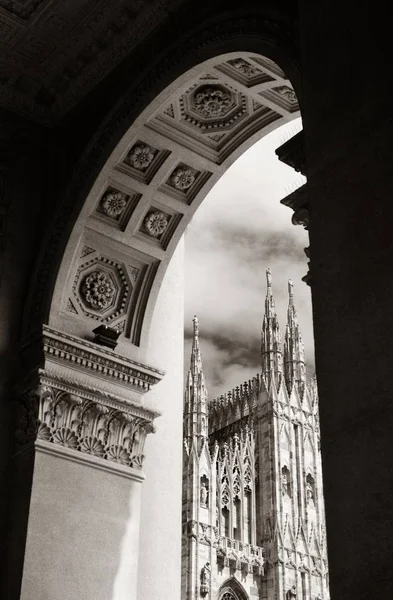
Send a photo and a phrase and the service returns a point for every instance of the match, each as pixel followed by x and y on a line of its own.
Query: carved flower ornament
pixel 113 203
pixel 182 178
pixel 212 102
pixel 156 223
pixel 244 67
pixel 98 290
pixel 287 93
pixel 141 156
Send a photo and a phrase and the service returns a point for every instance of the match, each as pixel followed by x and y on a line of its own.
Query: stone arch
pixel 112 201
pixel 232 589
pixel 104 258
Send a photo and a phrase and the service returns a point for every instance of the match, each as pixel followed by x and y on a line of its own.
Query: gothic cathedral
pixel 253 523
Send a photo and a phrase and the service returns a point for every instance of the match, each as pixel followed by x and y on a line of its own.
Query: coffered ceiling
pixel 54 52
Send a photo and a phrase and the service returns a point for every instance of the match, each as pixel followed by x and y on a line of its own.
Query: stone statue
pixel 205 579
pixel 291 593
pixel 203 494
pixel 310 493
pixel 284 484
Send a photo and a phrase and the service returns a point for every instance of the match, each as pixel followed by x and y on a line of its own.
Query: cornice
pixel 51 346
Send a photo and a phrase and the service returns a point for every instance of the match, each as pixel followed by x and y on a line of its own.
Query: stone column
pixel 77 471
pixel 347 117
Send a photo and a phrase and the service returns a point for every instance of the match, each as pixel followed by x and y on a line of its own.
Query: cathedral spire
pixel 196 360
pixel 271 355
pixel 195 396
pixel 294 361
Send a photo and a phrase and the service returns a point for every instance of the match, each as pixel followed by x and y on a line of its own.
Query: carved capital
pixel 77 421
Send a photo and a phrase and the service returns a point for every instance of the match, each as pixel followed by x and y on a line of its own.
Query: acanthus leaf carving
pixel 83 425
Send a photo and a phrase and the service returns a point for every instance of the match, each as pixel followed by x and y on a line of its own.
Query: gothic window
pixel 237 518
pixel 225 495
pixel 225 521
pixel 247 479
pixel 236 487
pixel 285 482
pixel 204 492
pixel 247 518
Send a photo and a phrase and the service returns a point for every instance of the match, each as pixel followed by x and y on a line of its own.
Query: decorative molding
pixel 158 225
pixel 93 393
pixel 85 459
pixel 212 102
pixel 84 425
pixel 143 161
pixel 245 72
pixel 140 156
pixel 244 67
pixel 298 201
pixel 185 182
pixel 102 288
pixel 271 33
pixel 283 96
pixel 292 153
pixel 213 119
pixel 85 356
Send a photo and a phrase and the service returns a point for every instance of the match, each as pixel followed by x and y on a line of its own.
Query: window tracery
pixel 228 596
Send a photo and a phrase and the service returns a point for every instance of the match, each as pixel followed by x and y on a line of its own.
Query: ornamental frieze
pixel 84 425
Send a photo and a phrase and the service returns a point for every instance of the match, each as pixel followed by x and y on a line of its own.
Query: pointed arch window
pixel 237 519
pixel 225 522
pixel 247 517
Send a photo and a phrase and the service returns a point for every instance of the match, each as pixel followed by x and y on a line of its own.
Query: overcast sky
pixel 239 231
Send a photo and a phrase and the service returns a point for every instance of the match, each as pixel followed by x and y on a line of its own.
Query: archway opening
pixel 112 272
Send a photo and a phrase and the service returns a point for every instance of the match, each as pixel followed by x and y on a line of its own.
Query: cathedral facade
pixel 253 522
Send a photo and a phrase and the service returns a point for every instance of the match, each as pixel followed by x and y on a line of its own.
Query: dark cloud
pixel 255 247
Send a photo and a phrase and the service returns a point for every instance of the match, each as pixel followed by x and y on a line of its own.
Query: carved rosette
pixel 182 178
pixel 212 102
pixel 98 290
pixel 87 426
pixel 140 157
pixel 156 223
pixel 113 203
pixel 287 93
pixel 244 67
